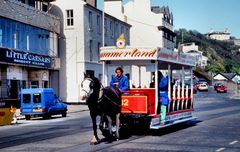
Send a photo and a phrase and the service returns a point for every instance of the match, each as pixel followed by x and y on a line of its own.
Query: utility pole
pixel 103 24
pixel 182 37
pixel 103 44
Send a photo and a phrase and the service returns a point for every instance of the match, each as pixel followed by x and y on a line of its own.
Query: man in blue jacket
pixel 163 94
pixel 120 81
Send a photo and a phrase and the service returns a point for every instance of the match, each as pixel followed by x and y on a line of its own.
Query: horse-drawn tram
pixel 141 66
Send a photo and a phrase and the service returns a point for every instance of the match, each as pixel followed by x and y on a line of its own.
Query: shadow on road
pixel 143 131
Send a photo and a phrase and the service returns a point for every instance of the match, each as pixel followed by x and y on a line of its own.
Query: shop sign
pixel 23 58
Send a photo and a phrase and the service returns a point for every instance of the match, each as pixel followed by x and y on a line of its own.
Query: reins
pixel 103 94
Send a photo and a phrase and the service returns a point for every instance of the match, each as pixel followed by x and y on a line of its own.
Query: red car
pixel 221 88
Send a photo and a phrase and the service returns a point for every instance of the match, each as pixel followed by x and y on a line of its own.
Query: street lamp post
pixel 103 44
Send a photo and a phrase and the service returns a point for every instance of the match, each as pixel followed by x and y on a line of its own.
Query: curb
pixel 22 117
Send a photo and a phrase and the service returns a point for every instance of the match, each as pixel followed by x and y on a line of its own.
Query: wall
pixel 26 14
pixel 75 45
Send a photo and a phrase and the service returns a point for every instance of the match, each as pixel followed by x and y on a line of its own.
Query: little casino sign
pixel 23 58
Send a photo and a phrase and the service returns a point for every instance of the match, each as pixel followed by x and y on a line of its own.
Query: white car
pixel 203 87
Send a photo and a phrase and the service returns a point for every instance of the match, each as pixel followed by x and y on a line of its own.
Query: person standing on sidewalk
pixel 163 95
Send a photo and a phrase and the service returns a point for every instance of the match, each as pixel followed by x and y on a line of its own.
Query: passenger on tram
pixel 120 81
pixel 163 95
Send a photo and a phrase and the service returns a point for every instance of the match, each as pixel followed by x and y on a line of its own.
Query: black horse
pixel 104 102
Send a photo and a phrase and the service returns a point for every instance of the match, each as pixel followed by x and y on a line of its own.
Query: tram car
pixel 140 104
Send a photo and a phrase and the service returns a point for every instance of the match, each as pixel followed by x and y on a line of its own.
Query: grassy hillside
pixel 222 56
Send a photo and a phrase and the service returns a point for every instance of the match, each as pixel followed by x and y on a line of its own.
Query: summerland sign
pixel 146 53
pixel 23 58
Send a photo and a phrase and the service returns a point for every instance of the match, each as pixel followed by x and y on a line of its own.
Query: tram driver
pixel 120 80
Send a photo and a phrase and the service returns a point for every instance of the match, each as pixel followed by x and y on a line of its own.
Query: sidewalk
pixel 71 109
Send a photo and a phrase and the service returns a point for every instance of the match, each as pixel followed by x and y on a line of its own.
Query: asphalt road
pixel 216 129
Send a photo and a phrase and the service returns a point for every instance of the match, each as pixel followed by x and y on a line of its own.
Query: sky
pixel 203 15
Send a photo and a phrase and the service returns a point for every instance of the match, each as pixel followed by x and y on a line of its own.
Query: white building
pixel 192 48
pixel 221 36
pixel 81 38
pixel 151 27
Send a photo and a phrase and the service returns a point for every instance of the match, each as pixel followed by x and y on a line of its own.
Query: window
pixel 37 98
pixel 34 84
pixel 105 26
pixel 90 20
pixel 26 98
pixel 27 42
pixel 16 36
pixel 98 24
pixel 98 49
pixel 127 33
pixel 1 37
pixel 90 50
pixel 116 30
pixel 70 18
pixel 111 28
pixel 122 29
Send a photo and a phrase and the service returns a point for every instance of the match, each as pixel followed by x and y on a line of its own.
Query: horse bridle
pixel 100 98
pixel 91 85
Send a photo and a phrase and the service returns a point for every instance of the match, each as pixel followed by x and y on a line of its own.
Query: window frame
pixel 69 18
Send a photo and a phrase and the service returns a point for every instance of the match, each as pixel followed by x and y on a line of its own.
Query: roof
pixel 228 76
pixel 36 90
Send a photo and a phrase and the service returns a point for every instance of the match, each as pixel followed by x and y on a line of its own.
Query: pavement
pixel 71 109
pixel 235 96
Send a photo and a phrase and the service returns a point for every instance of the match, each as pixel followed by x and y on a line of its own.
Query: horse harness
pixel 92 83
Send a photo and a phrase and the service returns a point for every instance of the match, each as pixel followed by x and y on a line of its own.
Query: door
pixel 14 89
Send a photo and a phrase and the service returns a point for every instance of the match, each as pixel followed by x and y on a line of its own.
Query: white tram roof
pixel 146 55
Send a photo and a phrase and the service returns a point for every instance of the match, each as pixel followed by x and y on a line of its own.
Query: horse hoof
pixel 94 141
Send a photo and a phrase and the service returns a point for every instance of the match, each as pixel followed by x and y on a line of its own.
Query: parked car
pixel 41 102
pixel 202 80
pixel 203 87
pixel 217 85
pixel 221 88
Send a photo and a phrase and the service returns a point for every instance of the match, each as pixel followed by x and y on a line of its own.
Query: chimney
pixel 114 8
pixel 91 2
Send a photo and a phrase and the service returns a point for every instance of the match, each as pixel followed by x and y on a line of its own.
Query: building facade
pixel 192 48
pixel 221 36
pixel 152 26
pixel 80 42
pixel 28 47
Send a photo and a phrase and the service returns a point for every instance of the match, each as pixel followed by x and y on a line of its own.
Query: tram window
pixel 26 98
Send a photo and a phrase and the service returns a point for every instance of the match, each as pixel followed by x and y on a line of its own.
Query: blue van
pixel 41 101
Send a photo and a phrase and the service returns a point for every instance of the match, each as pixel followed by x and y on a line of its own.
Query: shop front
pixel 19 70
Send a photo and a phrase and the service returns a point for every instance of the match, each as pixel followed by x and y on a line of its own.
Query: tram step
pixel 158 126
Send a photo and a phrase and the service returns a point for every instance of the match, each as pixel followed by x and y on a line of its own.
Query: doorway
pixel 14 89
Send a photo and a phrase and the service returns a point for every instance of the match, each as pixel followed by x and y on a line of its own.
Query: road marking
pixel 234 142
pixel 220 149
